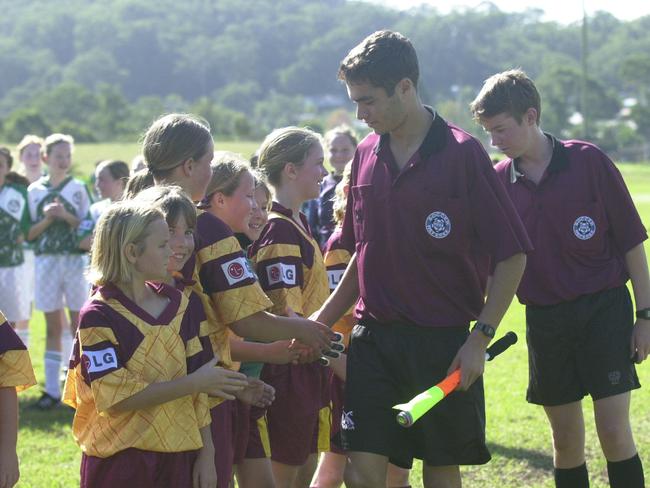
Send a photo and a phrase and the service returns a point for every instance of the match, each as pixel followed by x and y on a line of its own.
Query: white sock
pixel 52 367
pixel 23 335
pixel 66 348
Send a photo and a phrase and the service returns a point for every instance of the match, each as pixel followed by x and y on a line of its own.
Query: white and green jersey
pixel 59 237
pixel 14 222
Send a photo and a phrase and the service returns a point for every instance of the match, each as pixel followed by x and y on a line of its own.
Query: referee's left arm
pixel 637 267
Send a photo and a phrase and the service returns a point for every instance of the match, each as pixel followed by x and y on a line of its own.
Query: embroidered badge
pixel 584 228
pixel 13 206
pixel 614 377
pixel 438 225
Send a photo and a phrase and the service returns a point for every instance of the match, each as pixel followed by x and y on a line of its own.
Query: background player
pixel 57 205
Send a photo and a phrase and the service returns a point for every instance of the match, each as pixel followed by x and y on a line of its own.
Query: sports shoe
pixel 47 402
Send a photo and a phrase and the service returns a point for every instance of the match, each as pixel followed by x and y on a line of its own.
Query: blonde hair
pixel 172 202
pixel 341 130
pixel 172 140
pixel 26 141
pixel 340 196
pixel 54 139
pixel 283 146
pixel 122 223
pixel 227 170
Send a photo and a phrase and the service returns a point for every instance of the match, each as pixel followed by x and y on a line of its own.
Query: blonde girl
pixel 292 272
pixel 139 367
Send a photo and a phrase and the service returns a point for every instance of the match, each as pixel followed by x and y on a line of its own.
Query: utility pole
pixel 584 108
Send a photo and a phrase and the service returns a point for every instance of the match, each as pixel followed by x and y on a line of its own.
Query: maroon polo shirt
pixel 424 234
pixel 581 220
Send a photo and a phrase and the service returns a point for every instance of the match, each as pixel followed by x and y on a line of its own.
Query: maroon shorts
pixel 223 437
pixel 299 418
pixel 134 467
pixel 337 392
pixel 252 441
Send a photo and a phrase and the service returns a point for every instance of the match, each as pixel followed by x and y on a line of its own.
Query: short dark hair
pixel 511 92
pixel 382 59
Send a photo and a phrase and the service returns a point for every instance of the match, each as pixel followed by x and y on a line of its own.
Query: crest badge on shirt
pixel 584 228
pixel 438 225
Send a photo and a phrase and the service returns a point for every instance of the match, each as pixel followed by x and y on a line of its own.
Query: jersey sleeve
pixel 626 226
pixel 278 263
pixel 225 274
pixel 100 357
pixel 25 220
pixel 15 364
pixel 495 220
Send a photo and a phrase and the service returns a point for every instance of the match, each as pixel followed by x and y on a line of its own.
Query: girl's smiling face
pixel 311 173
pixel 152 262
pixel 30 156
pixel 181 241
pixel 260 214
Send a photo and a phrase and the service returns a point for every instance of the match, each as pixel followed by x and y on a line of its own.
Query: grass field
pixel 518 436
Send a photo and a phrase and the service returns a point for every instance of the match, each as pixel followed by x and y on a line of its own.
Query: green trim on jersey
pixel 14 223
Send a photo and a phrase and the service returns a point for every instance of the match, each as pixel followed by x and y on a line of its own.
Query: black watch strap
pixel 486 329
pixel 644 313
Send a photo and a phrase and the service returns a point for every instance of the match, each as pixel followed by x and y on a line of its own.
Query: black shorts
pixel 581 348
pixel 390 364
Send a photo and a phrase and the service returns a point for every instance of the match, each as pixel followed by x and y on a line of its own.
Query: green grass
pixel 517 432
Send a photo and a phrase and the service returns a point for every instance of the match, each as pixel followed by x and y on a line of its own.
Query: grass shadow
pixel 536 459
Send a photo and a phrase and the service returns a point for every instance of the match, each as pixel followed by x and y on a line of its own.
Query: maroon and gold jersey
pixel 222 272
pixel 290 265
pixel 15 365
pixel 337 257
pixel 119 350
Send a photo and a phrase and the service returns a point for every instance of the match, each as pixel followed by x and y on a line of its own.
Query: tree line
pixel 103 69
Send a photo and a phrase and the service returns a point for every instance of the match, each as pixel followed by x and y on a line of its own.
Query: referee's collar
pixel 559 159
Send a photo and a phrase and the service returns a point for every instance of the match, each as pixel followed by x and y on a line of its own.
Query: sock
pixel 52 366
pixel 23 335
pixel 66 349
pixel 572 478
pixel 626 474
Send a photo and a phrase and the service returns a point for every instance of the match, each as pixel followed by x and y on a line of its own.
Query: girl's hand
pixel 315 335
pixel 217 381
pixel 204 471
pixel 282 352
pixel 54 210
pixel 257 393
pixel 9 472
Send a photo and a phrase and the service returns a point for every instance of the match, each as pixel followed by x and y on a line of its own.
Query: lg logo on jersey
pixel 98 361
pixel 281 273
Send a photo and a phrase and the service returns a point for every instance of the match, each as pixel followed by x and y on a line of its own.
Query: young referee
pixel 588 239
pixel 425 210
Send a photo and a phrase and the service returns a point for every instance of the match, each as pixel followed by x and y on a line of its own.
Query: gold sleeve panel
pixel 286 297
pixel 337 257
pixel 238 303
pixel 217 250
pixel 16 370
pixel 273 251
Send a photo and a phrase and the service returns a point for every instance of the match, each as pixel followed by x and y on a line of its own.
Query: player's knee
pixel 615 439
pixel 567 442
pixel 359 478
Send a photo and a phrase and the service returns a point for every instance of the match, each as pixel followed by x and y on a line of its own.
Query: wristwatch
pixel 488 330
pixel 644 313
